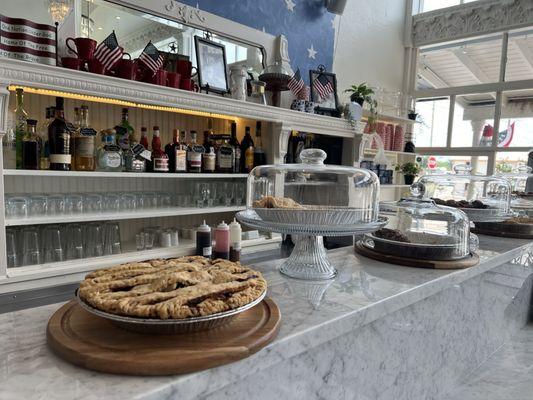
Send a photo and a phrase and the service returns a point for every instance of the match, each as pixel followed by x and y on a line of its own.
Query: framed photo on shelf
pixel 324 91
pixel 211 62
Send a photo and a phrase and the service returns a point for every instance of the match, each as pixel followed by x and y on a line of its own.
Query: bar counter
pixel 378 331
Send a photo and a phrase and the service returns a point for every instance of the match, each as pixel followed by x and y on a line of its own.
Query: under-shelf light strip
pixel 77 96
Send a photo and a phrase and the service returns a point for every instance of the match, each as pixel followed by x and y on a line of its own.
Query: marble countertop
pixel 312 314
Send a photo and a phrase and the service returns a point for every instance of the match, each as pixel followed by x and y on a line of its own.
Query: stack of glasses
pixel 155 236
pixel 32 245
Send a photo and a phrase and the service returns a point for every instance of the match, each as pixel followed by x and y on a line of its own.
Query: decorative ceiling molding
pixel 471 19
pixel 185 13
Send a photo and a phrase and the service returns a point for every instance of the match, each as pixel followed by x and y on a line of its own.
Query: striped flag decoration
pixel 151 58
pixel 323 86
pixel 109 52
pixel 296 83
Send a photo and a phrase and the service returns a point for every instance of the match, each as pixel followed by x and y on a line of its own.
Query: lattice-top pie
pixel 172 289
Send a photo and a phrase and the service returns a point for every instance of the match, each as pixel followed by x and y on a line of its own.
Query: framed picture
pixel 211 62
pixel 324 91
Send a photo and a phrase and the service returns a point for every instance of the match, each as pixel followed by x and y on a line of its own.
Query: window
pixel 433 126
pixel 473 120
pixel 431 5
pixel 510 161
pixel 447 164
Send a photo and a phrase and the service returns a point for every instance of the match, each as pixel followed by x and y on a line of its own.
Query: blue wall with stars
pixel 306 24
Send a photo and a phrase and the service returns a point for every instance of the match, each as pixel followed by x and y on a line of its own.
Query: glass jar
pixel 258 92
pixel 482 198
pixel 238 76
pixel 418 228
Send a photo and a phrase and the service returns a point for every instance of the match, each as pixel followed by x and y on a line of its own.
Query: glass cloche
pixel 482 198
pixel 311 200
pixel 418 228
pixel 521 182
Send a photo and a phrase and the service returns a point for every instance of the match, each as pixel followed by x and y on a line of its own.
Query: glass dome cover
pixel 521 182
pixel 482 198
pixel 419 228
pixel 312 193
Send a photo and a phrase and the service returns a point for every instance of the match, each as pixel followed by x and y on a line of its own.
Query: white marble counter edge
pixel 293 345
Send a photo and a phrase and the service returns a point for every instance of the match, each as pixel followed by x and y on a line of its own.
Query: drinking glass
pixel 111 202
pixel 94 240
pixel 30 247
pixel 149 200
pixel 139 241
pixel 240 193
pixel 201 194
pixel 165 239
pixel 164 200
pixel 112 239
pixel 55 204
pixel 37 205
pixel 17 207
pixel 92 203
pixel 149 240
pixel 11 249
pixel 74 242
pixel 73 204
pixel 52 245
pixel 174 237
pixel 128 202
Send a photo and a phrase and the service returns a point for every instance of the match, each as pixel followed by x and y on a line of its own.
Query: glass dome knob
pixel 417 190
pixel 313 156
pixel 462 169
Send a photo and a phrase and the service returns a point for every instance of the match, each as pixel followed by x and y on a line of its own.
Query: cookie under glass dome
pixel 311 200
pixel 418 228
pixel 481 198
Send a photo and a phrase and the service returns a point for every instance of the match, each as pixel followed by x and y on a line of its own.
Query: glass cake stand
pixel 308 259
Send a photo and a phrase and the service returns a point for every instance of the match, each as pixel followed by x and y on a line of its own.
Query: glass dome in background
pixel 521 182
pixel 419 228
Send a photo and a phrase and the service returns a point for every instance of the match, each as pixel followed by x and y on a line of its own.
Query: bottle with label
pixel 31 146
pixel 222 241
pixel 159 157
pixel 247 152
pixel 235 233
pixel 171 150
pixel 194 155
pixel 259 153
pixel 225 157
pixel 44 156
pixel 209 160
pixel 109 155
pixel 21 117
pixel 203 240
pixel 125 132
pixel 59 140
pixel 144 137
pixel 181 153
pixel 234 142
pixel 84 159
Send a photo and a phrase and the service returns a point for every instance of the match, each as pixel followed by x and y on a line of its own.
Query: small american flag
pixel 323 86
pixel 296 83
pixel 151 58
pixel 109 52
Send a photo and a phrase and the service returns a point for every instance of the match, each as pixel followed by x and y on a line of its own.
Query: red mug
pixel 160 77
pixel 188 84
pixel 96 67
pixel 127 69
pixel 173 79
pixel 71 62
pixel 184 68
pixel 84 47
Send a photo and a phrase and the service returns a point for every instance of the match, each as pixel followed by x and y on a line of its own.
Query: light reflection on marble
pixel 317 339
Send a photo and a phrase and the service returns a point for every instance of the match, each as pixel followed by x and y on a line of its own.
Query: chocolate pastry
pixel 461 203
pixel 172 289
pixel 392 234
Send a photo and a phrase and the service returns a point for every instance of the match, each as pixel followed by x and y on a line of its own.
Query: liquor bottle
pixel 84 159
pixel 31 144
pixel 109 155
pixel 247 152
pixel 177 152
pixel 259 153
pixel 159 157
pixel 144 137
pixel 225 157
pixel 208 142
pixel 181 153
pixel 44 156
pixel 209 160
pixel 194 155
pixel 59 140
pixel 125 132
pixel 236 148
pixel 171 149
pixel 20 125
pixel 77 118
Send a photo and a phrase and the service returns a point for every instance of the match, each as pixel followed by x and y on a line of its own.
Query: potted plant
pixel 360 93
pixel 409 170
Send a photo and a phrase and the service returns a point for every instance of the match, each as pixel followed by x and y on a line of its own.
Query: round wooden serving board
pixel 466 262
pixel 95 343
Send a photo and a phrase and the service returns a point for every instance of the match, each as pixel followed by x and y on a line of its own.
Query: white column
pixel 477 129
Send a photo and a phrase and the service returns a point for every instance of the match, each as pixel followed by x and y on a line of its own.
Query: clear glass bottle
pixel 31 144
pixel 84 159
pixel 194 154
pixel 9 150
pixel 109 156
pixel 209 160
pixel 21 117
pixel 225 157
pixel 59 140
pixel 159 157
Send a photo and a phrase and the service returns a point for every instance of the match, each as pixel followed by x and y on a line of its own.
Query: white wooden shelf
pixel 135 175
pixel 101 87
pixel 390 152
pixel 73 270
pixel 394 186
pixel 389 118
pixel 144 213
